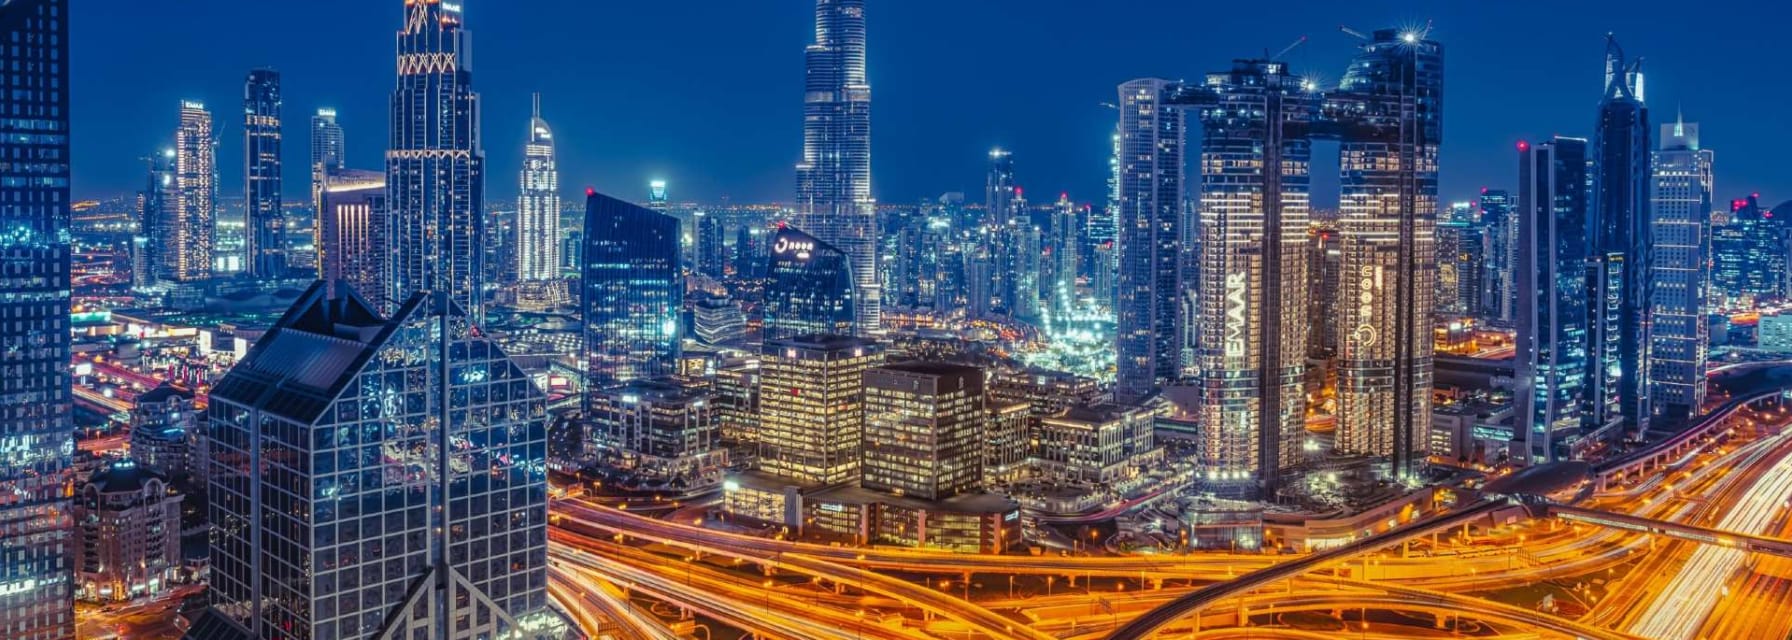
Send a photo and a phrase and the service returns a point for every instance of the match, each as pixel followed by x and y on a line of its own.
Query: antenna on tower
pixel 537 108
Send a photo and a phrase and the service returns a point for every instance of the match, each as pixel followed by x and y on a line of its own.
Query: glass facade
pixel 1679 336
pixel 1498 287
pixel 37 440
pixel 1554 347
pixel 372 473
pixel 1752 255
pixel 833 180
pixel 923 429
pixel 633 291
pixel 1461 249
pixel 1623 247
pixel 265 248
pixel 1151 226
pixel 809 287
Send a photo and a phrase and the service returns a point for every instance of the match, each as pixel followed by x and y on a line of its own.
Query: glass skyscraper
pixel 265 247
pixel 834 177
pixel 1150 221
pixel 538 205
pixel 1679 336
pixel 327 148
pixel 37 439
pixel 196 187
pixel 376 473
pixel 808 287
pixel 435 168
pixel 1499 222
pixel 1461 252
pixel 1752 254
pixel 1554 347
pixel 1623 247
pixel 1252 337
pixel 632 292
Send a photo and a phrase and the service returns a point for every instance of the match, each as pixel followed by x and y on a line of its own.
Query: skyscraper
pixel 154 250
pixel 1679 336
pixel 998 189
pixel 1752 255
pixel 1622 247
pixel 1554 348
pixel 351 233
pixel 631 293
pixel 196 184
pixel 377 476
pixel 1461 248
pixel 834 178
pixel 36 412
pixel 1149 220
pixel 811 406
pixel 712 250
pixel 809 287
pixel 538 206
pixel 327 148
pixel 1388 116
pixel 1499 222
pixel 923 429
pixel 1058 285
pixel 265 255
pixel 999 220
pixel 435 168
pixel 1255 153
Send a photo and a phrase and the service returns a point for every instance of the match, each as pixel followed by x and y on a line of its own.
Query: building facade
pixel 661 429
pixel 265 238
pixel 538 205
pixel 36 399
pixel 328 147
pixel 1149 217
pixel 163 425
pixel 129 523
pixel 352 232
pixel 811 407
pixel 833 179
pixel 1751 255
pixel 632 292
pixel 923 429
pixel 1679 336
pixel 196 187
pixel 809 287
pixel 1554 349
pixel 1623 247
pixel 1499 224
pixel 1461 253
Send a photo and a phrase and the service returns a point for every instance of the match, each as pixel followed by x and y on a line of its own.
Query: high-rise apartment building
pixel 328 146
pixel 351 233
pixel 36 401
pixel 194 223
pixel 1388 117
pixel 1679 336
pixel 1623 247
pixel 834 177
pixel 538 205
pixel 154 248
pixel 712 250
pixel 809 287
pixel 1255 151
pixel 632 291
pixel 1499 224
pixel 811 406
pixel 924 429
pixel 265 238
pixel 1554 351
pixel 1149 215
pixel 1461 259
pixel 435 168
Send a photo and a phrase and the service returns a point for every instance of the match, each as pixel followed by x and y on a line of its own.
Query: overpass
pixel 1704 535
pixel 1193 602
pixel 1693 437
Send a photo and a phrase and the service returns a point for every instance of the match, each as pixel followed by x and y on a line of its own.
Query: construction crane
pixel 1285 50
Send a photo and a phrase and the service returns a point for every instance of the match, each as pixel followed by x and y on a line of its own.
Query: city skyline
pixel 1062 137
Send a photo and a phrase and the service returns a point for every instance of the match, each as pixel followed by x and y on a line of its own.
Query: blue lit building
pixel 1150 230
pixel 265 247
pixel 809 287
pixel 833 180
pixel 1499 222
pixel 1752 254
pixel 1554 395
pixel 1679 335
pixel 1623 247
pixel 37 440
pixel 632 291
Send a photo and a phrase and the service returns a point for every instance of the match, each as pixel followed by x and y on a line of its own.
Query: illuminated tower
pixel 632 291
pixel 1680 200
pixel 435 167
pixel 1623 247
pixel 1388 116
pixel 1150 217
pixel 1554 348
pixel 327 147
pixel 834 178
pixel 265 248
pixel 196 183
pixel 538 205
pixel 37 434
pixel 1255 153
pixel 1498 288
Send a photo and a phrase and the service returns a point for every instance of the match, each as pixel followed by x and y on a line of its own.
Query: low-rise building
pixel 1095 444
pixel 660 428
pixel 163 430
pixel 129 525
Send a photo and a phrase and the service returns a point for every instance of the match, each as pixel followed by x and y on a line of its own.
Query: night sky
pixel 706 93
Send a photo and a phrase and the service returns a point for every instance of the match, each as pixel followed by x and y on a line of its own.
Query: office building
pixel 661 429
pixel 36 400
pixel 351 232
pixel 718 321
pixel 1623 241
pixel 1554 351
pixel 1095 444
pixel 1752 255
pixel 163 426
pixel 1149 218
pixel 435 167
pixel 1774 333
pixel 712 250
pixel 194 223
pixel 834 177
pixel 737 394
pixel 328 147
pixel 632 292
pixel 1005 428
pixel 1499 224
pixel 265 235
pixel 809 287
pixel 154 249
pixel 1679 337
pixel 811 407
pixel 538 205
pixel 923 429
pixel 1461 252
pixel 129 523
pixel 1388 117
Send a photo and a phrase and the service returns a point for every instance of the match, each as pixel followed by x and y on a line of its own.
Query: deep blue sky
pixel 706 92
